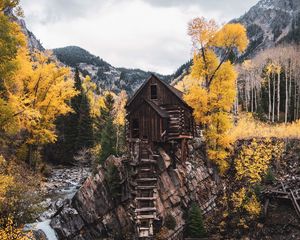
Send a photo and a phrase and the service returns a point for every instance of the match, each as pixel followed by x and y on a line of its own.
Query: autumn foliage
pixel 211 86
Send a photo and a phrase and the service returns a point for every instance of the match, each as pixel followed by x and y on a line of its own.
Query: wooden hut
pixel 157 113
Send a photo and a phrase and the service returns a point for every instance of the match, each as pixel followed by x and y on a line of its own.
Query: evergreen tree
pixel 76 129
pixel 195 227
pixel 108 129
pixel 113 179
pixel 81 106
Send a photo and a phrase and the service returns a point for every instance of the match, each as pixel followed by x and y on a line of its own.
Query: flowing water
pixel 61 185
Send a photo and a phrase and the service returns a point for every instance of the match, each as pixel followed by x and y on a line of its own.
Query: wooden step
pixel 142 217
pixel 145 170
pixel 143 228
pixel 145 198
pixel 145 209
pixel 145 160
pixel 146 179
pixel 145 187
pixel 133 164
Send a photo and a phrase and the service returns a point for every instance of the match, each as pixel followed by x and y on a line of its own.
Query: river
pixel 61 185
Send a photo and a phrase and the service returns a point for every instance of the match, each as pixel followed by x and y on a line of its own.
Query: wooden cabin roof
pixel 172 89
pixel 156 108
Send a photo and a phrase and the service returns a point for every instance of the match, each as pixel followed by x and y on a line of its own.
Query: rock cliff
pixel 94 212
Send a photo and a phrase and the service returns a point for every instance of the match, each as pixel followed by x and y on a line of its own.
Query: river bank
pixel 61 185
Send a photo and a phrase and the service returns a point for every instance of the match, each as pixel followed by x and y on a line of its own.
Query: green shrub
pixel 170 222
pixel 269 177
pixel 195 226
pixel 114 181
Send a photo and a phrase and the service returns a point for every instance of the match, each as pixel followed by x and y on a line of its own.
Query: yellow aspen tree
pixel 11 39
pixel 37 94
pixel 120 113
pixel 214 94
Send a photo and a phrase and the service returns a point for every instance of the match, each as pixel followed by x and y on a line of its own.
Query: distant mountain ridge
pixel 106 76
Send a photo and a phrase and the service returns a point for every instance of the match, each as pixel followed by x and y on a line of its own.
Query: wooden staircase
pixel 144 190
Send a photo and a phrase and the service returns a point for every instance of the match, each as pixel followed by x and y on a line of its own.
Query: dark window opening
pixel 135 128
pixel 153 92
pixel 144 223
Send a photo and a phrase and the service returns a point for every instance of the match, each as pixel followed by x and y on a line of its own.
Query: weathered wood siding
pixel 151 125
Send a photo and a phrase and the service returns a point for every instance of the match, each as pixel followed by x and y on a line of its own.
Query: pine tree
pixel 108 129
pixel 195 227
pixel 84 129
pixel 77 128
pixel 113 179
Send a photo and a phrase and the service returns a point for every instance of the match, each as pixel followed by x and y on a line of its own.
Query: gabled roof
pixel 172 89
pixel 160 111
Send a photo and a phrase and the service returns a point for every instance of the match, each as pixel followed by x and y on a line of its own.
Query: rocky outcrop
pixel 271 22
pixel 32 41
pixel 94 213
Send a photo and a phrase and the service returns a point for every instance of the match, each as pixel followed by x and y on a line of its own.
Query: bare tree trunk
pixel 290 92
pixel 286 98
pixel 269 90
pixel 236 103
pixel 252 98
pixel 273 104
pixel 255 99
pixel 278 95
pixel 295 100
pixel 298 101
pixel 246 99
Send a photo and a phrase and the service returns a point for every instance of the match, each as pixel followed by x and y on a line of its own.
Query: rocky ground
pixel 57 189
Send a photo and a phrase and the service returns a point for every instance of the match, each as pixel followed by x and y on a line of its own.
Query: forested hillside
pixel 102 73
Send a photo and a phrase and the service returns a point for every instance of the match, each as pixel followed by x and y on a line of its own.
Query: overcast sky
pixel 146 34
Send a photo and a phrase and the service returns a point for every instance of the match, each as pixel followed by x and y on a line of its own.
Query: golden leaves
pixel 119 108
pixel 38 93
pixel 254 159
pixel 207 34
pixel 202 31
pixel 231 36
pixel 248 128
pixel 11 232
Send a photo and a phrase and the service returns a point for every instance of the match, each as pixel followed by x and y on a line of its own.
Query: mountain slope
pixel 32 41
pixel 105 75
pixel 268 23
pixel 271 22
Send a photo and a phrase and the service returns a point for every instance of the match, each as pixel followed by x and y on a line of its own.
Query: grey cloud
pixel 227 7
pixel 57 10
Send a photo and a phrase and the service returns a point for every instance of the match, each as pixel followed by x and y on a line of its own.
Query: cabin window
pixel 135 128
pixel 154 92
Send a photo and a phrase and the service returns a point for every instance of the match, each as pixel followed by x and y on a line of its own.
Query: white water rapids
pixel 62 184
